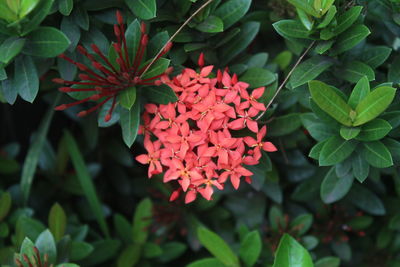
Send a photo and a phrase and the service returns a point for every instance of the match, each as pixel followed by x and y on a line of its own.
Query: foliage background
pixel 77 178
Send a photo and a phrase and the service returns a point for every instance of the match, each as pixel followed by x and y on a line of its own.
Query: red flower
pixel 105 81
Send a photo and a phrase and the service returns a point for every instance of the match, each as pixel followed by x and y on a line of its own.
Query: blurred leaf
pixel 26 79
pixel 142 220
pixel 377 154
pixel 47 245
pixel 10 48
pixel 80 250
pixel 328 262
pixel 284 125
pixel 291 253
pixel 46 42
pixel 301 224
pixel 334 188
pixel 318 130
pixel 250 248
pixel 104 250
pixel 375 56
pixel 206 262
pixel 309 70
pixel 151 250
pixel 211 24
pixel 129 256
pixel 57 221
pixel 258 77
pixel 347 19
pixel 305 6
pixel 65 6
pixel 360 168
pixel 162 94
pixel 5 204
pixel 231 11
pixel 122 226
pixel 355 70
pixel 144 9
pixel 364 199
pixel 86 181
pixel 172 250
pixel 291 28
pixel 217 247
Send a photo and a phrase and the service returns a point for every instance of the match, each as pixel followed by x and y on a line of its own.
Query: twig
pixel 286 79
pixel 174 35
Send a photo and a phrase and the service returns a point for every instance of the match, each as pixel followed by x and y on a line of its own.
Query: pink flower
pixel 258 144
pixel 153 156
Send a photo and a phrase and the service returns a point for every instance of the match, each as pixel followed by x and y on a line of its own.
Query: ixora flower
pixel 107 78
pixel 193 141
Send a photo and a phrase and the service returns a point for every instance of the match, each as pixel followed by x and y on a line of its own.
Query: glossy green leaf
pixel 307 22
pixel 328 17
pixel 347 19
pixel 349 132
pixel 360 168
pixel 336 150
pixel 360 91
pixel 330 102
pixel 250 248
pixel 374 130
pixel 323 46
pixel 86 181
pixel 159 67
pixel 57 221
pixel 305 6
pixel 350 38
pixel 309 70
pixel 5 204
pixel 32 157
pixel 301 224
pixel 144 9
pixel 377 154
pixel 374 104
pixel 65 7
pixel 231 11
pixel 318 130
pixel 26 79
pixel 284 125
pixel 291 253
pixel 334 188
pixel 46 42
pixel 127 97
pixel 27 6
pixel 217 247
pixel 258 77
pixel 46 244
pixel 316 150
pixel 375 56
pixel 291 28
pixel 130 121
pixel 142 220
pixel 41 11
pixel 10 48
pixel 162 94
pixel 355 70
pixel 211 24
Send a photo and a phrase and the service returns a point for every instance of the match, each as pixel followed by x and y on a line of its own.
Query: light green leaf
pixel 305 6
pixel 330 102
pixel 57 221
pixel 374 130
pixel 47 245
pixel 328 17
pixel 374 104
pixel 10 48
pixel 211 24
pixel 360 91
pixel 291 28
pixel 291 253
pixel 142 220
pixel 349 132
pixel 217 247
pixel 250 248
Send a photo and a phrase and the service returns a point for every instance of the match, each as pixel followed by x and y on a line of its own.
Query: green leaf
pixel 291 253
pixel 46 42
pixel 157 68
pixel 142 220
pixel 47 245
pixel 307 22
pixel 350 38
pixel 360 222
pixel 349 132
pixel 258 77
pixel 206 262
pixel 334 188
pixel 291 28
pixel 172 250
pixel 360 168
pixel 57 221
pixel 284 125
pixel 336 150
pixel 231 11
pixel 247 34
pixel 347 19
pixel 374 130
pixel 355 70
pixel 129 256
pixel 377 154
pixel 323 46
pixel 211 24
pixel 328 17
pixel 217 247
pixel 162 94
pixel 309 70
pixel 151 250
pixel 10 48
pixel 394 71
pixel 27 248
pixel 374 104
pixel 283 59
pixel 32 157
pixel 5 204
pixel 305 6
pixel 80 250
pixel 27 6
pixel 327 99
pixel 127 97
pixel 364 199
pixel 259 60
pixel 26 79
pixel 144 9
pixel 86 181
pixel 375 56
pixel 318 130
pixel 65 6
pixel 130 121
pixel 301 224
pixel 41 11
pixel 360 91
pixel 328 262
pixel 316 150
pixel 250 248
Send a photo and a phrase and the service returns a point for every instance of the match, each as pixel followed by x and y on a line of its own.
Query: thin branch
pixel 175 34
pixel 286 79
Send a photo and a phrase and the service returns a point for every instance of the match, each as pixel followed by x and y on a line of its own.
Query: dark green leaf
pixel 374 130
pixel 231 11
pixel 142 220
pixel 258 60
pixel 127 97
pixel 394 71
pixel 284 125
pixel 364 199
pixel 360 168
pixel 26 79
pixel 355 70
pixel 80 250
pixel 10 48
pixel 316 150
pixel 350 38
pixel 211 24
pixel 291 253
pixel 46 42
pixel 5 204
pixel 375 56
pixel 157 68
pixel 250 248
pixel 360 222
pixel 301 224
pixel 318 130
pixel 336 150
pixel 129 256
pixel 65 6
pixel 347 19
pixel 334 188
pixel 151 250
pixel 172 250
pixel 258 77
pixel 328 262
pixel 57 221
pixel 42 10
pixel 207 262
pixel 374 104
pixel 327 99
pixel 291 28
pixel 377 154
pixel 144 9
pixel 217 247
pixel 130 120
pixel 162 94
pixel 309 70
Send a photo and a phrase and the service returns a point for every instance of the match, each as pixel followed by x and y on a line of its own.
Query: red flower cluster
pixel 193 136
pixel 107 80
